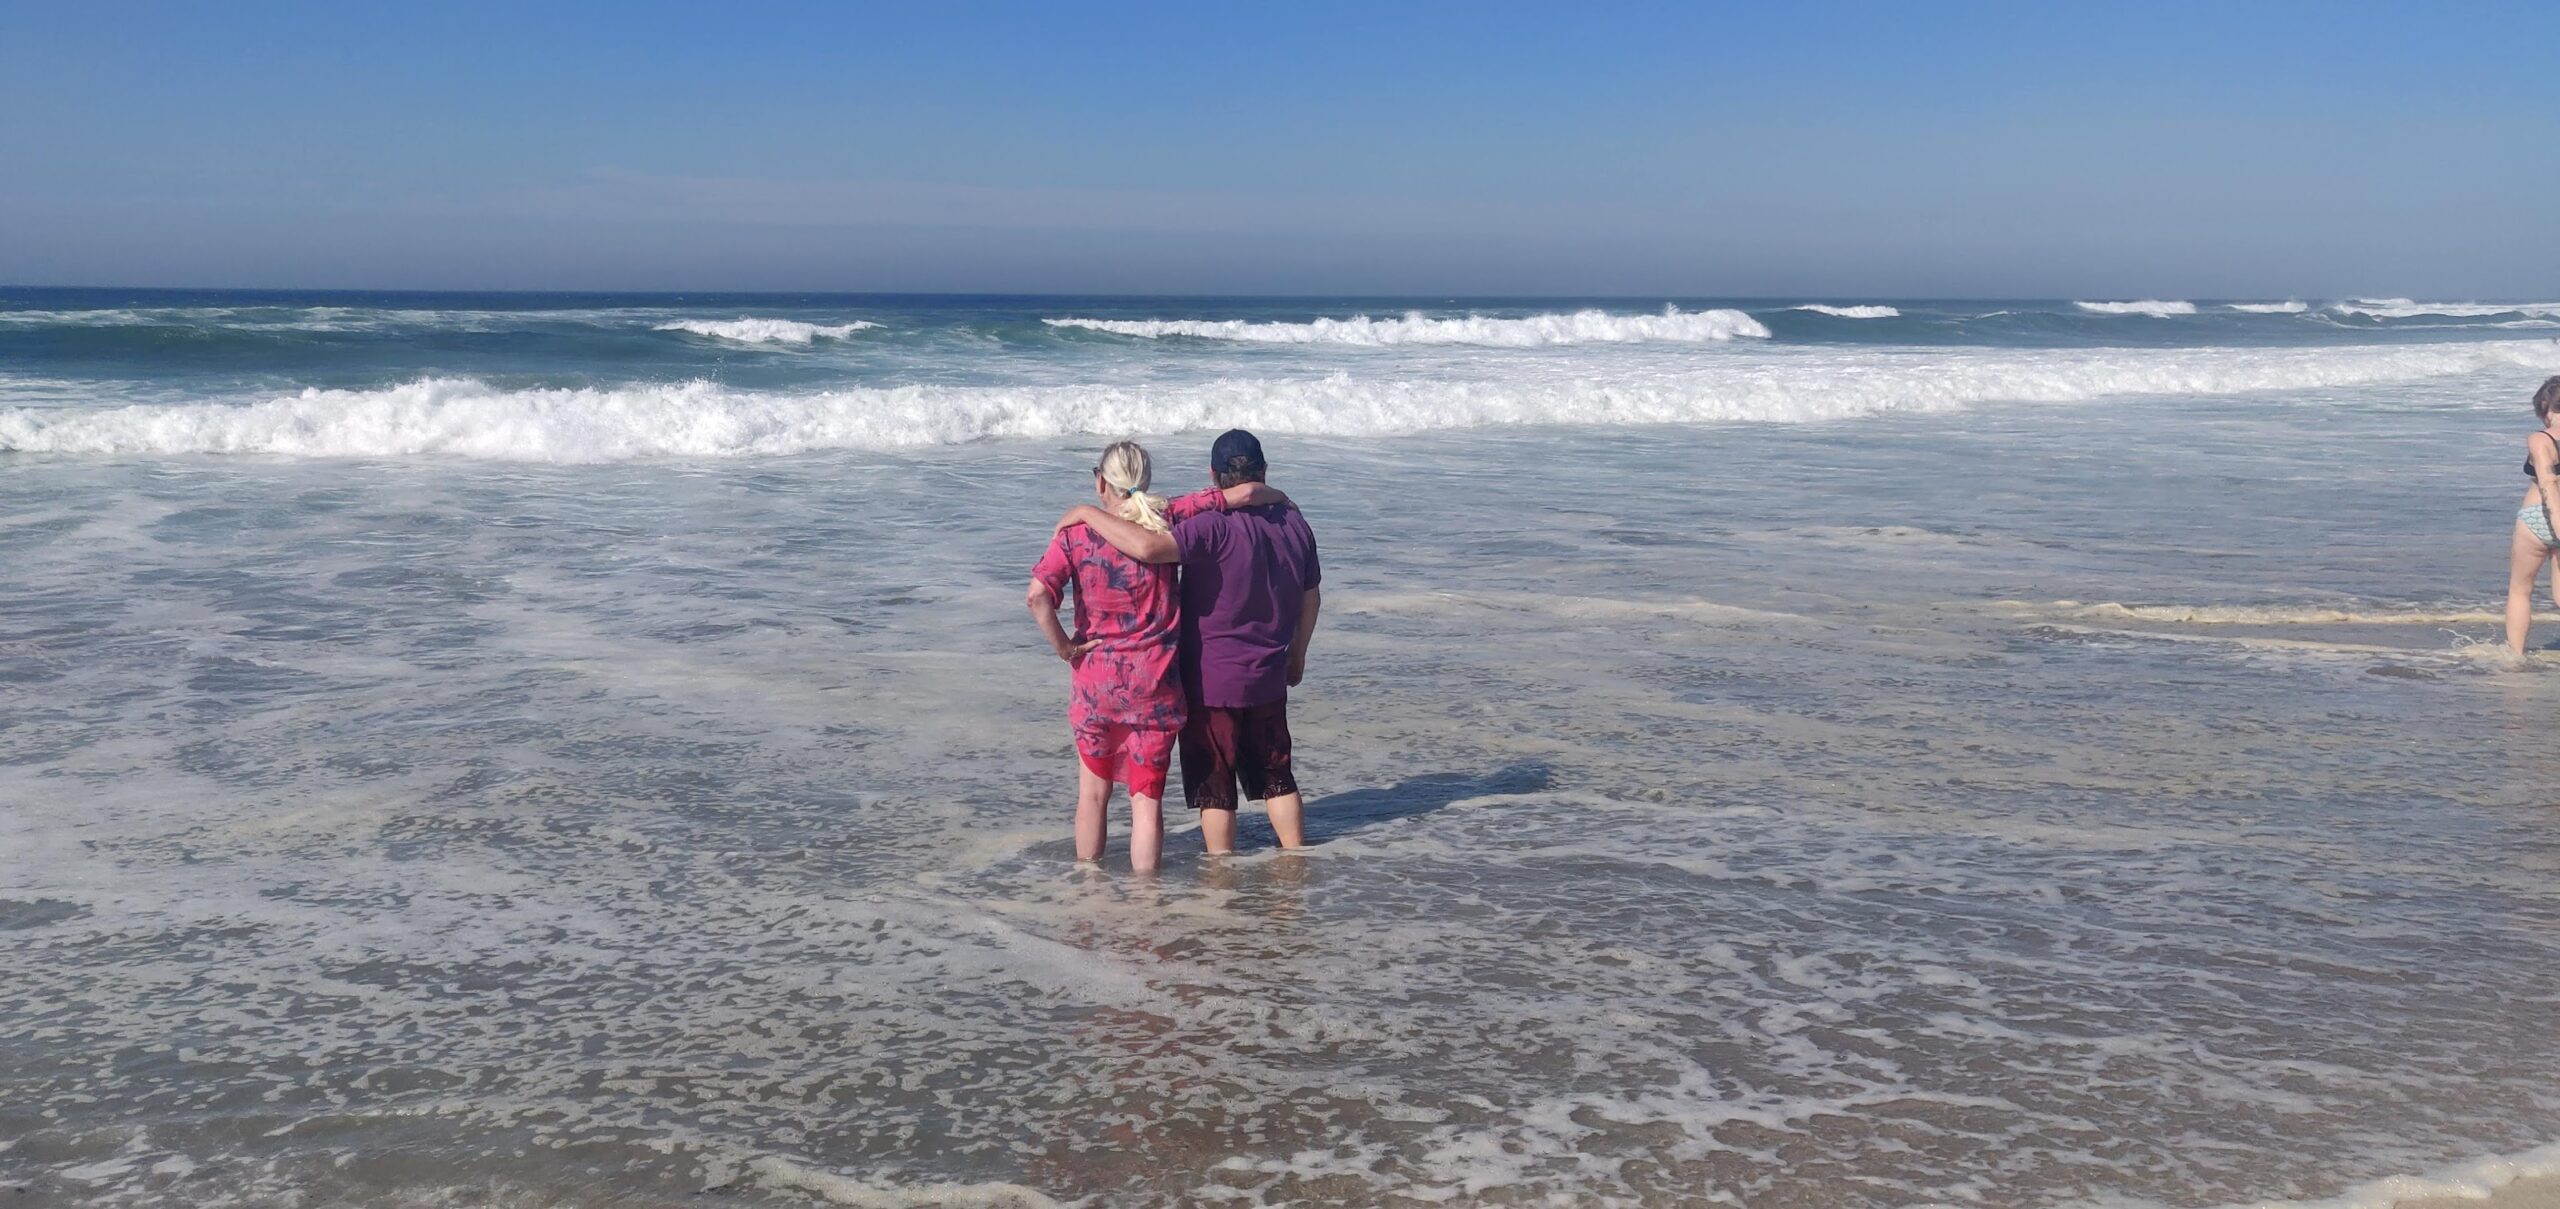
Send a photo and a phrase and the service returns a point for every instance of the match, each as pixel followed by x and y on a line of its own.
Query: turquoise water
pixel 497 751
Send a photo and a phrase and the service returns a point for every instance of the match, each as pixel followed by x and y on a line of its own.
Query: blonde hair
pixel 1126 467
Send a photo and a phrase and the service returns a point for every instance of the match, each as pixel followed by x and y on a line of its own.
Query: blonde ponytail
pixel 1127 469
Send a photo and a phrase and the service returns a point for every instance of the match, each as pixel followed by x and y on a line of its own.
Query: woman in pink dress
pixel 1126 706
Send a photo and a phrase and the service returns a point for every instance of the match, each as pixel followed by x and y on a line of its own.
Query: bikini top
pixel 2528 457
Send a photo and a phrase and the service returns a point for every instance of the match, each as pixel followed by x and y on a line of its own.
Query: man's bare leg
pixel 1218 831
pixel 1286 810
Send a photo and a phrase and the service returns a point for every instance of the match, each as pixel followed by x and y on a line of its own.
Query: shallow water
pixel 1748 812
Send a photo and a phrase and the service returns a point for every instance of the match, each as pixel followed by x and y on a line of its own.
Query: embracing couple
pixel 1192 621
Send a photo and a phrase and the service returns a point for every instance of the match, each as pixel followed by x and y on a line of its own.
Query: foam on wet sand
pixel 1971 802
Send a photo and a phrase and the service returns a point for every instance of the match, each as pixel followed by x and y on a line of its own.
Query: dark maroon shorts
pixel 1221 747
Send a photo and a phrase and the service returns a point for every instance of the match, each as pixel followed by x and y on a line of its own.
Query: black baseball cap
pixel 1236 452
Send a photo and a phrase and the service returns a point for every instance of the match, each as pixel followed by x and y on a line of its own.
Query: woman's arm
pixel 1044 613
pixel 1183 507
pixel 1253 495
pixel 1211 499
pixel 2545 455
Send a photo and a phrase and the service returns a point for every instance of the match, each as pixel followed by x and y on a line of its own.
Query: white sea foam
pixel 2403 308
pixel 103 317
pixel 865 1194
pixel 316 318
pixel 239 318
pixel 2472 1181
pixel 1579 327
pixel 766 331
pixel 2252 615
pixel 468 418
pixel 2289 307
pixel 2153 307
pixel 2511 324
pixel 1850 312
pixel 1902 938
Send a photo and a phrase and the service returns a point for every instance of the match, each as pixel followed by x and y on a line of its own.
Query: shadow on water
pixel 1343 813
pixel 1327 818
pixel 1333 817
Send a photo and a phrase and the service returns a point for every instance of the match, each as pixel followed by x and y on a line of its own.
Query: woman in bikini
pixel 1126 706
pixel 2534 544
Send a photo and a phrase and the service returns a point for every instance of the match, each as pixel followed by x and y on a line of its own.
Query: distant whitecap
pixel 766 331
pixel 2153 307
pixel 1579 327
pixel 1850 312
pixel 2403 308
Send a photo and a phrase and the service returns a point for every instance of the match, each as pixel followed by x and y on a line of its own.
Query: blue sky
pixel 1878 150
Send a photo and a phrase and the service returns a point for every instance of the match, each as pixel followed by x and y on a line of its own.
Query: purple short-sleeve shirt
pixel 1245 576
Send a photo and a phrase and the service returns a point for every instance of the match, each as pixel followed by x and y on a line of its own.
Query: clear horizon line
pixel 2162 296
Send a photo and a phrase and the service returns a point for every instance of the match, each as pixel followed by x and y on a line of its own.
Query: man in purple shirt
pixel 1249 602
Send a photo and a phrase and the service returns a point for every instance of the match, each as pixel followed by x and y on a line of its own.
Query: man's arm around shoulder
pixel 1145 545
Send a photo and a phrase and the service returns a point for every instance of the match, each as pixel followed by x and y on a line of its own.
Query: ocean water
pixel 574 751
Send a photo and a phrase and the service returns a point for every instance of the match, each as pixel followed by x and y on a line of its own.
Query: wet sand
pixel 2532 1192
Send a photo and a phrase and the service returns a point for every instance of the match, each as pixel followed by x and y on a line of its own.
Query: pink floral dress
pixel 1126 704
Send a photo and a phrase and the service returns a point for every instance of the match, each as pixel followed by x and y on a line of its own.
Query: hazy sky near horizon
pixel 1847 150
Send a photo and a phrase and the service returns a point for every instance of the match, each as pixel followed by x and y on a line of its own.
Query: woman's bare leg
pixel 1093 813
pixel 2525 557
pixel 1146 832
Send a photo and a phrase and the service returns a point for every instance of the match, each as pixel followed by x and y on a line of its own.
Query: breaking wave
pixel 2403 308
pixel 2153 307
pixel 1851 312
pixel 2270 308
pixel 1579 327
pixel 766 331
pixel 463 417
